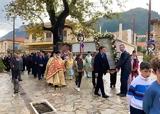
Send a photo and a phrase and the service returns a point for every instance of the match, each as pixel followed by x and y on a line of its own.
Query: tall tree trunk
pixel 57 37
pixel 57 22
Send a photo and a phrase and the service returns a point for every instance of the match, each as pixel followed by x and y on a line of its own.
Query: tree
pixel 58 11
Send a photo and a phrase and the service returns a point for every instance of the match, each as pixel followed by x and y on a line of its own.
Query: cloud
pixel 3 32
pixel 6 25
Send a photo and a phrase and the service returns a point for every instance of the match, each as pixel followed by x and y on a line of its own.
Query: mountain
pixel 126 18
pixel 111 25
pixel 20 32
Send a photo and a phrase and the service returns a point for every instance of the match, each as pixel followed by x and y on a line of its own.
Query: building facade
pixel 45 42
pixel 127 38
pixel 6 45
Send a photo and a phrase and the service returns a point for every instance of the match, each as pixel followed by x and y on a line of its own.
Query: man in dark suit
pixel 40 63
pixel 34 57
pixel 100 67
pixel 125 65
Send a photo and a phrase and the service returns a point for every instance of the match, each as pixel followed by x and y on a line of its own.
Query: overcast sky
pixel 6 26
pixel 143 3
pixel 130 4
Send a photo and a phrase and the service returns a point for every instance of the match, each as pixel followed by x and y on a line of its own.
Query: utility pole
pixel 149 23
pixel 14 19
pixel 133 28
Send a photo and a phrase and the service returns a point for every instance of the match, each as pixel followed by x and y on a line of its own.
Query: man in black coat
pixel 125 65
pixel 15 67
pixel 34 57
pixel 29 63
pixel 100 67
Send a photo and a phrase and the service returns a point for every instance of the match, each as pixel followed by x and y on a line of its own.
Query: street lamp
pixel 149 24
pixel 133 28
pixel 14 18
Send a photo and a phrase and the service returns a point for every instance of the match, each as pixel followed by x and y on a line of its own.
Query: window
pixel 48 35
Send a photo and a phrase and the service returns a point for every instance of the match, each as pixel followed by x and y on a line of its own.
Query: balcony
pixel 38 41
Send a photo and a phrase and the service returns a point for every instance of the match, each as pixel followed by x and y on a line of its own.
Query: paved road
pixel 8 103
pixel 66 100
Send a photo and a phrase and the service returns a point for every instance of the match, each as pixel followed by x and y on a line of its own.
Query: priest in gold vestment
pixel 54 73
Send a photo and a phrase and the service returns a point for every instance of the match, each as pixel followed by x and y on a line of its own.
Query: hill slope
pixel 20 32
pixel 126 18
pixel 111 25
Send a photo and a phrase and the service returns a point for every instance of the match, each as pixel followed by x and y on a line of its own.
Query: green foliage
pixel 2 66
pixel 141 49
pixel 59 10
pixel 147 57
pixel 35 29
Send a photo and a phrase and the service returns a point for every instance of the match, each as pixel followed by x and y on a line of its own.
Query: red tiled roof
pixel 17 39
pixel 154 21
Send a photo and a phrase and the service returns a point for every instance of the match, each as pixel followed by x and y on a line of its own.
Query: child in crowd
pixel 137 89
pixel 151 103
pixel 134 65
pixel 79 68
pixel 113 78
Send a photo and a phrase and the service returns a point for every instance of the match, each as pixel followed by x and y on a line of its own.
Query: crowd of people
pixel 143 94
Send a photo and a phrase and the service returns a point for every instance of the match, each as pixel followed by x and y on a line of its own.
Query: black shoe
pixel 97 94
pixel 118 94
pixel 50 84
pixel 122 95
pixel 20 79
pixel 105 96
pixel 15 92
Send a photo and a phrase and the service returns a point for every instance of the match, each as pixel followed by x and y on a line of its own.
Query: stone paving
pixel 8 103
pixel 66 100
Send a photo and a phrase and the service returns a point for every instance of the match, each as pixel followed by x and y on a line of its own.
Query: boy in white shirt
pixel 137 89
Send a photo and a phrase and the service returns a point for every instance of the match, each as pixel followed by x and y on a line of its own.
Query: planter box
pixel 42 107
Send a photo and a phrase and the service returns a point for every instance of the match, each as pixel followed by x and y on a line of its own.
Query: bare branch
pixel 51 11
pixel 66 6
pixel 64 14
pixel 38 17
